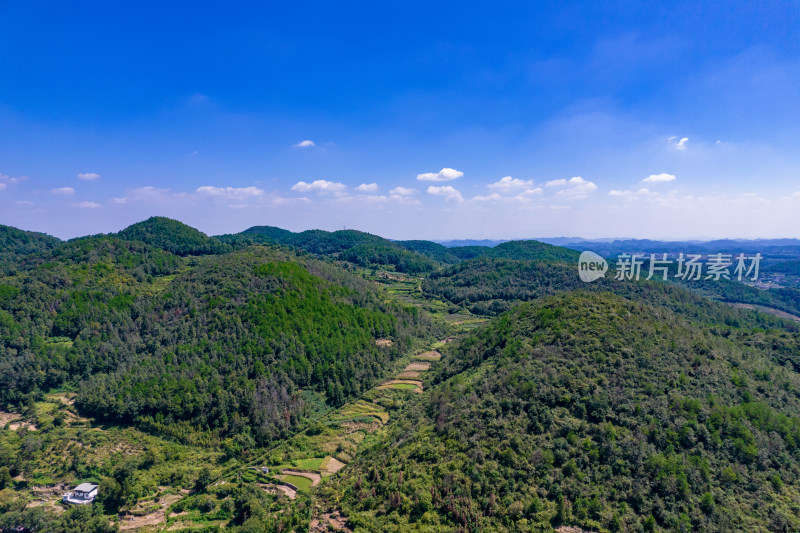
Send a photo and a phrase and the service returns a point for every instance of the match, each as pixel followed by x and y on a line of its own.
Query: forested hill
pixel 198 347
pixel 363 249
pixel 18 247
pixel 173 236
pixel 592 411
pixel 415 256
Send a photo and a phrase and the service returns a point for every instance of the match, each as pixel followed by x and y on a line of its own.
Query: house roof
pixel 85 487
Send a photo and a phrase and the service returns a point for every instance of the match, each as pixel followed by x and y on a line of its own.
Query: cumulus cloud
pixel 88 176
pixel 367 187
pixel 446 174
pixel 305 144
pixel 659 178
pixel 230 193
pixel 573 188
pixel 403 191
pixel 63 190
pixel 321 186
pixel 450 193
pixel 510 184
pixel 679 144
pixel 86 205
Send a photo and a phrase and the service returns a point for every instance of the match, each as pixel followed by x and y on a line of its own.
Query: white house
pixel 82 494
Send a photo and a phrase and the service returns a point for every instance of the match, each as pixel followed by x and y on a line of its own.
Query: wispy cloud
pixel 446 174
pixel 321 186
pixel 367 187
pixel 450 193
pixel 88 176
pixel 305 144
pixel 230 193
pixel 86 205
pixel 679 144
pixel 2 185
pixel 403 191
pixel 659 178
pixel 63 190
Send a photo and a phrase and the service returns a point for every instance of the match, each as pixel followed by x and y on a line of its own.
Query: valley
pixel 274 381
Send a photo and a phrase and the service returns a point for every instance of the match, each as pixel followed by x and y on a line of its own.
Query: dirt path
pixel 408 375
pixel 765 309
pixel 313 476
pixel 420 367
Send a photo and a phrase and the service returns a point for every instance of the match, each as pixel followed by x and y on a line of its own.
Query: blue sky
pixel 420 120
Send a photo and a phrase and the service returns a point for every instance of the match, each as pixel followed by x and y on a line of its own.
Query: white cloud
pixel 86 205
pixel 63 190
pixel 679 144
pixel 120 200
pixel 24 202
pixel 573 188
pixel 367 187
pixel 2 185
pixel 492 197
pixel 230 193
pixel 447 191
pixel 403 191
pixel 88 176
pixel 446 174
pixel 659 178
pixel 8 179
pixel 510 184
pixel 322 186
pixel 305 144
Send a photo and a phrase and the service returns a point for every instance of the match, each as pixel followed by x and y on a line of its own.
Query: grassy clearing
pixel 302 483
pixel 404 386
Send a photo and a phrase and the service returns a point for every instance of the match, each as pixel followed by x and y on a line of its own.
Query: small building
pixel 81 495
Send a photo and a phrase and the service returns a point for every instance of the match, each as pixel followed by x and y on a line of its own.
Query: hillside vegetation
pixel 593 411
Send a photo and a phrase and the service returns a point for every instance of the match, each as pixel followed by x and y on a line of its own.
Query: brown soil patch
pixel 408 375
pixel 328 521
pixel 15 421
pixel 384 343
pixel 132 521
pixel 331 465
pixel 418 366
pixel 447 340
pixel 313 476
pixel 570 529
pixel 275 489
pixel 432 355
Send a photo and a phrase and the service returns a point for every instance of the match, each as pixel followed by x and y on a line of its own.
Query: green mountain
pixel 357 247
pixel 206 347
pixel 173 236
pixel 18 246
pixel 595 412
